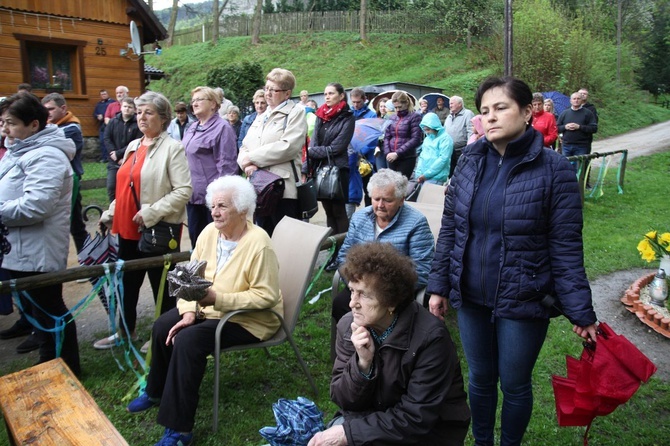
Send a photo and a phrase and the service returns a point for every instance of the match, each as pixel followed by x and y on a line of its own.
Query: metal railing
pixel 584 167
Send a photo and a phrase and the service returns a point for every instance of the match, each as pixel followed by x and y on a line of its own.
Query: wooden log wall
pixel 103 66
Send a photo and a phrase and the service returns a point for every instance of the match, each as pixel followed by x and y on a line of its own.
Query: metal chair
pixel 431 194
pixel 297 246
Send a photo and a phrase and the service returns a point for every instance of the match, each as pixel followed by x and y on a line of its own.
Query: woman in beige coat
pixel 274 142
pixel 155 171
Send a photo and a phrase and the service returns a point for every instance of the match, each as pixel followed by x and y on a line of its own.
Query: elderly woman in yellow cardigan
pixel 244 272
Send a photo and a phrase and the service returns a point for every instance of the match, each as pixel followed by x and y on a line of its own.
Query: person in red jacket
pixel 544 122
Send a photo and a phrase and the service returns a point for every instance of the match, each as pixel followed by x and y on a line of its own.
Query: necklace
pixel 381 338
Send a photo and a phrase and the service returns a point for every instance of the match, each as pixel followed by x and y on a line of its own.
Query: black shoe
pixel 16 331
pixel 28 345
pixel 332 265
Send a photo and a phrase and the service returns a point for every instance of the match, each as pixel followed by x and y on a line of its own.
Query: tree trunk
pixel 151 4
pixel 215 21
pixel 256 31
pixel 363 18
pixel 173 21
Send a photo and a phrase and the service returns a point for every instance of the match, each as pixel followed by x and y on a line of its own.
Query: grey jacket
pixel 35 200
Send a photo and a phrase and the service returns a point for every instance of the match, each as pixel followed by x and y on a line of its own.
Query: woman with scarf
pixel 403 136
pixel 332 134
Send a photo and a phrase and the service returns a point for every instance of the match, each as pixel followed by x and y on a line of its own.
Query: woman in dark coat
pixel 397 378
pixel 403 136
pixel 510 242
pixel 332 134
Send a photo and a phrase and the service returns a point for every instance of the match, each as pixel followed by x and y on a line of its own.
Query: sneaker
pixel 29 345
pixel 332 265
pixel 174 438
pixel 142 403
pixel 17 330
pixel 111 341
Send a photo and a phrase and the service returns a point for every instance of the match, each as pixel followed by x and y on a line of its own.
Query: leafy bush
pixel 239 81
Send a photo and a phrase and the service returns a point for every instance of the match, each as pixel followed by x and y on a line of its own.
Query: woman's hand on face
pixel 250 169
pixel 364 345
pixel 588 332
pixel 438 306
pixel 391 157
pixel 209 299
pixel 186 320
pixel 334 436
pixel 137 219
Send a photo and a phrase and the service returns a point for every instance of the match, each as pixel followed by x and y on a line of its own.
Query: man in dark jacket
pixel 577 124
pixel 99 115
pixel 59 115
pixel 120 131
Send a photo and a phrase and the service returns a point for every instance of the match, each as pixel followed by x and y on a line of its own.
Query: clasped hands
pixel 189 317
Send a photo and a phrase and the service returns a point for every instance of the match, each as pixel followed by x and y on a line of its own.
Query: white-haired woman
pixel 153 184
pixel 245 273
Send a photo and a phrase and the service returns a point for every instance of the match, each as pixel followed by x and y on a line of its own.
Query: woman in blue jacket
pixel 511 240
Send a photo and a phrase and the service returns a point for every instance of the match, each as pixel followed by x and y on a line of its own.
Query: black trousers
pixel 50 299
pixel 285 207
pixel 132 282
pixel 198 216
pixel 177 370
pixel 404 165
pixel 77 225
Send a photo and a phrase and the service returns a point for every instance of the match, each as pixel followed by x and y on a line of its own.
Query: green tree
pixel 655 73
pixel 268 7
pixel 240 81
pixel 467 18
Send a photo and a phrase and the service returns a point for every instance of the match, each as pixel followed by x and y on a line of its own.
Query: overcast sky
pixel 162 4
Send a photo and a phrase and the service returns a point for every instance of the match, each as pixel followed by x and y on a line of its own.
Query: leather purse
pixel 307 203
pixel 269 189
pixel 327 179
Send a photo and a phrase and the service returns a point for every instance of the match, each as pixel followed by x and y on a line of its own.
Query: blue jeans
pixel 573 150
pixel 504 350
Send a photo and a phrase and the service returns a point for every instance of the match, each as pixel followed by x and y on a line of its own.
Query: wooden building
pixel 74 46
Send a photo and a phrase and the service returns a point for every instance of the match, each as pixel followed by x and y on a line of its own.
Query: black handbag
pixel 307 203
pixel 269 189
pixel 161 238
pixel 327 180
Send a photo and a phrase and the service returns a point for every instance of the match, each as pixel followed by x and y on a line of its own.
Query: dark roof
pixel 152 27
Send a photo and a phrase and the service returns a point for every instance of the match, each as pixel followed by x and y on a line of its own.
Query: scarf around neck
pixel 327 113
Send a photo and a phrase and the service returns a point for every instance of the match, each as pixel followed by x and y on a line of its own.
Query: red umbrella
pixel 607 374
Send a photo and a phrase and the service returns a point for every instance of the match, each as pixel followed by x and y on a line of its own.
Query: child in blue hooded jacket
pixel 435 157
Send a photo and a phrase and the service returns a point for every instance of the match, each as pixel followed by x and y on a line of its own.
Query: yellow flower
pixel 646 250
pixel 651 235
pixel 664 239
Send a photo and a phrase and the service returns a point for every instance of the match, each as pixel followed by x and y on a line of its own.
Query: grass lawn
pixel 251 382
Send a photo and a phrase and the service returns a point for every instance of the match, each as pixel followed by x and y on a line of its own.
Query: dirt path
pixel 607 290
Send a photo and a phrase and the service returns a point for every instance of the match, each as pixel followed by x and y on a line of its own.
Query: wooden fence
pixel 317 21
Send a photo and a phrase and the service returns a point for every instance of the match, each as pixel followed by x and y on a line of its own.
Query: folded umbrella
pixel 607 375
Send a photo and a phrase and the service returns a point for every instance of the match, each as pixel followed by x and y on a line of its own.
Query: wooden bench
pixel 46 405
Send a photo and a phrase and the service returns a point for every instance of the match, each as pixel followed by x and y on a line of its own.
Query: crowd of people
pixel 396 375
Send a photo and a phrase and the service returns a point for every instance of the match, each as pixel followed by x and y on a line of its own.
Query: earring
pixel 390 312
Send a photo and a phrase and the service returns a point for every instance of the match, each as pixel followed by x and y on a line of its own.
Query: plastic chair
pixel 431 194
pixel 432 212
pixel 297 246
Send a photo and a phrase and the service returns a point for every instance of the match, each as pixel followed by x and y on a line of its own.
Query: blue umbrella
pixel 366 135
pixel 561 101
pixel 432 100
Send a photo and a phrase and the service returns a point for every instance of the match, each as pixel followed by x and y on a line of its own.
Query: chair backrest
pixel 431 193
pixel 297 246
pixel 433 214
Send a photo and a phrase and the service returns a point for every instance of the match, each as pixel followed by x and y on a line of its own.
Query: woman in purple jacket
pixel 211 151
pixel 510 246
pixel 403 135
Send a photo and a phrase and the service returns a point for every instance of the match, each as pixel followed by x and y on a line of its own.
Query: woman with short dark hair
pixel 510 241
pixel 397 377
pixel 35 203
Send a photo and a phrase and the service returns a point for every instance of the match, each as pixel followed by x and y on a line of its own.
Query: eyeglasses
pixel 194 100
pixel 272 90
